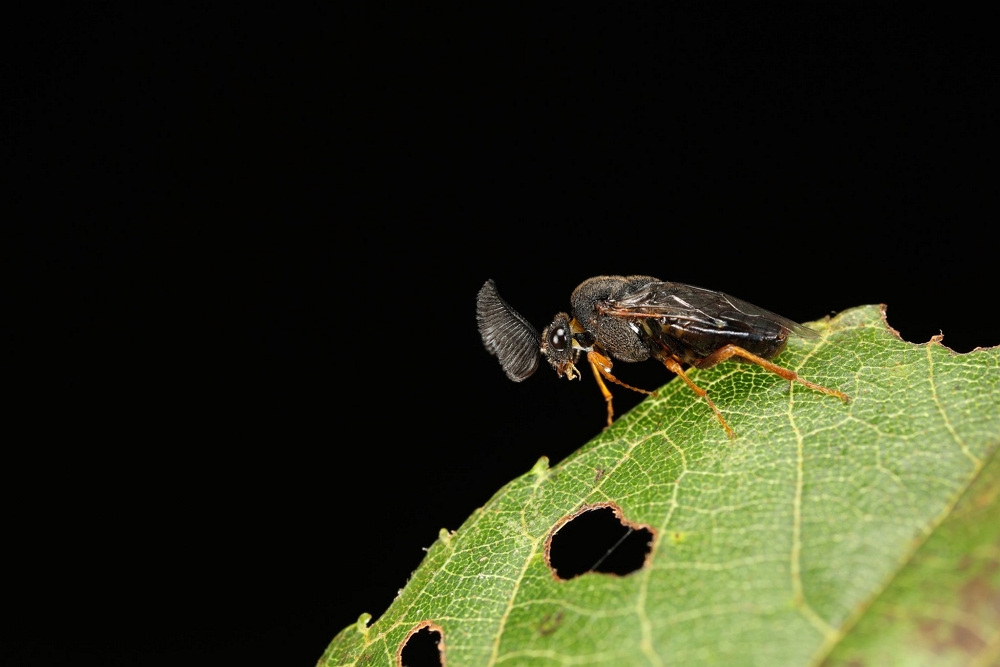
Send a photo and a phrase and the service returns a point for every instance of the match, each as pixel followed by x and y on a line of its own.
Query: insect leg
pixel 601 366
pixel 604 390
pixel 675 367
pixel 728 351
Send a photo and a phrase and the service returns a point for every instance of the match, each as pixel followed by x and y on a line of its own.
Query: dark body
pixel 636 317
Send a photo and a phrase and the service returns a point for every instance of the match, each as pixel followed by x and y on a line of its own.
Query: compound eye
pixel 559 338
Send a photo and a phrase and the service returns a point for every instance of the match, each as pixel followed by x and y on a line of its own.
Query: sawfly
pixel 635 318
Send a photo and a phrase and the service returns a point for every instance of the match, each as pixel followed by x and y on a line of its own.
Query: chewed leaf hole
pixel 596 539
pixel 422 648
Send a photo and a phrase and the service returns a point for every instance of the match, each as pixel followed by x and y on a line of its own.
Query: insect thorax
pixel 618 336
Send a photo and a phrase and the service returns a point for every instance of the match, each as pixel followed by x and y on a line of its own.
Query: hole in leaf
pixel 952 325
pixel 422 647
pixel 597 539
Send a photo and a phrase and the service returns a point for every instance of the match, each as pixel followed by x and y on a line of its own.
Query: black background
pixel 247 383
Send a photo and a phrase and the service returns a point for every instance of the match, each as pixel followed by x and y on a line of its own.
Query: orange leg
pixel 675 367
pixel 601 366
pixel 728 351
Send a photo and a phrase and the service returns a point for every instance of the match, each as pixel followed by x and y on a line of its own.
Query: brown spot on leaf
pixel 550 623
pixel 978 598
pixel 966 639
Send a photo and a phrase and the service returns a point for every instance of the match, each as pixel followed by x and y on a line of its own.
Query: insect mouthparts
pixel 569 370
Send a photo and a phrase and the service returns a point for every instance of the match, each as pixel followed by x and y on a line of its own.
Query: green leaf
pixel 865 533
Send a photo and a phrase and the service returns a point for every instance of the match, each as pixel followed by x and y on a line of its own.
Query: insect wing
pixel 506 334
pixel 696 306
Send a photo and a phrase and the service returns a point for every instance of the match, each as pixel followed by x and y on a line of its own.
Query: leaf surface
pixel 859 533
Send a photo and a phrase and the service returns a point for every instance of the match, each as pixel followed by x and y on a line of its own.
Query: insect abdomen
pixel 689 344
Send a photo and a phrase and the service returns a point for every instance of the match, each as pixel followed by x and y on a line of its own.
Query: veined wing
pixel 686 304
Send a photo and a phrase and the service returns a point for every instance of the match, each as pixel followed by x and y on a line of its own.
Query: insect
pixel 635 318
